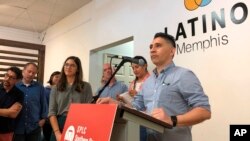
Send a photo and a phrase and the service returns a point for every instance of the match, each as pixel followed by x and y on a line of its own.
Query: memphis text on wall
pixel 217 21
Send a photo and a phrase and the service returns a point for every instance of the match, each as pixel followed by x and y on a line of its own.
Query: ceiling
pixel 36 15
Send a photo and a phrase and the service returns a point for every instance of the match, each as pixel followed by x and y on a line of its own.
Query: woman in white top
pixel 141 74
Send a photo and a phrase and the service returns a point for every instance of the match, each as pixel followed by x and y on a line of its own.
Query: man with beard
pixel 11 99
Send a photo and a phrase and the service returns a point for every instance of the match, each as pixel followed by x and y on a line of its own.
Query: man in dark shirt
pixel 11 99
pixel 35 109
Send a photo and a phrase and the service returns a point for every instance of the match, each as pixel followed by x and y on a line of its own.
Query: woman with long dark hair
pixel 70 89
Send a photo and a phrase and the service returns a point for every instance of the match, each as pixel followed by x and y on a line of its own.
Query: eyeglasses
pixel 6 75
pixel 70 65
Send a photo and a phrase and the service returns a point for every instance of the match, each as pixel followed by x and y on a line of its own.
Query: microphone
pixel 129 59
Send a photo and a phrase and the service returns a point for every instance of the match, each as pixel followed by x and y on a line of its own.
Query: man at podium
pixel 172 94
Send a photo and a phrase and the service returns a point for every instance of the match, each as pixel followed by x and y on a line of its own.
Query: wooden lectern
pixel 128 122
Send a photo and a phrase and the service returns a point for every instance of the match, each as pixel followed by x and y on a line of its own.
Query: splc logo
pixel 194 4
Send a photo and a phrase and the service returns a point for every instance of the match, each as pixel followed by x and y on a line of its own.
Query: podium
pixel 107 122
pixel 128 121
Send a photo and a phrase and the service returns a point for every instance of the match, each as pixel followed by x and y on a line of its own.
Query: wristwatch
pixel 174 120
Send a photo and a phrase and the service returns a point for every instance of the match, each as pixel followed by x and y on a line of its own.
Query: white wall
pixel 223 69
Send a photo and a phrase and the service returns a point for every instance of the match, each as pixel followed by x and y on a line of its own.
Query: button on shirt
pixel 175 89
pixel 34 107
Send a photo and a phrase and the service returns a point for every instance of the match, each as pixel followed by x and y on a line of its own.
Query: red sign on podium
pixel 89 122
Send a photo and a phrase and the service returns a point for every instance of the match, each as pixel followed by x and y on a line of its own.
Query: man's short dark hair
pixel 17 71
pixel 167 37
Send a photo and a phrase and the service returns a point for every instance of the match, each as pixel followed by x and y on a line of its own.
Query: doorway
pixel 103 54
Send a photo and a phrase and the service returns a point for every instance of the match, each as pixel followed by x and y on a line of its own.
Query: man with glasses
pixel 11 99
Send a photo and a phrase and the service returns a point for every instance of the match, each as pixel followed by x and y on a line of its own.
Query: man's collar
pixel 165 69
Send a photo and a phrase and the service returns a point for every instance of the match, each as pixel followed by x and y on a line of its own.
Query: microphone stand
pixel 94 98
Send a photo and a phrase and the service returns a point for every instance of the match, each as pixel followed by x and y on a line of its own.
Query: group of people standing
pixel 171 94
pixel 19 87
pixel 27 107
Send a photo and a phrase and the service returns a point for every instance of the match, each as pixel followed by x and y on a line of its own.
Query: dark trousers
pixel 143 133
pixel 32 136
pixel 47 129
